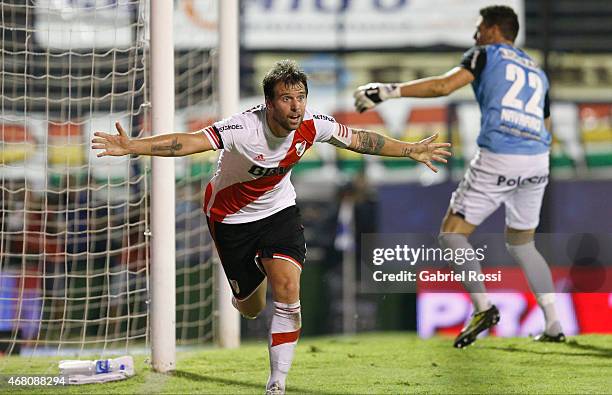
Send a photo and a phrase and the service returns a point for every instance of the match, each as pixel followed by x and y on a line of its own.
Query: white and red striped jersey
pixel 252 180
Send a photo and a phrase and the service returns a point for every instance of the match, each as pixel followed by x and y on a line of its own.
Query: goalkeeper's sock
pixel 547 304
pixel 540 281
pixel 284 335
pixel 477 290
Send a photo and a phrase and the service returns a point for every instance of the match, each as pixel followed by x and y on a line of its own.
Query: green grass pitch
pixel 374 363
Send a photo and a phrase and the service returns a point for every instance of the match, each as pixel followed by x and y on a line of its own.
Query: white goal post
pixel 162 67
pixel 163 257
pixel 229 96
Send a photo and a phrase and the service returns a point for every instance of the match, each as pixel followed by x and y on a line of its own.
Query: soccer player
pixel 250 201
pixel 511 166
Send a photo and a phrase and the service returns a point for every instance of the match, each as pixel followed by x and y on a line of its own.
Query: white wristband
pixel 394 91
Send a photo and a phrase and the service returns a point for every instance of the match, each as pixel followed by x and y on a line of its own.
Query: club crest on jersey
pixel 300 148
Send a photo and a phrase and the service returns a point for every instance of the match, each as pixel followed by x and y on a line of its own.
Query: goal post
pixel 163 257
pixel 229 96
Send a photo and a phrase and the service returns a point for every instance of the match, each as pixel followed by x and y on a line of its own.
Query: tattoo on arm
pixel 337 143
pixel 406 151
pixel 368 142
pixel 168 148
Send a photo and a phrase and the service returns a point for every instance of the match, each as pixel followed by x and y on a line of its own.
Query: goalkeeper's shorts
pixel 517 181
pixel 242 246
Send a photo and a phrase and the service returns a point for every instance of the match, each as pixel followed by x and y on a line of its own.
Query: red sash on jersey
pixel 231 199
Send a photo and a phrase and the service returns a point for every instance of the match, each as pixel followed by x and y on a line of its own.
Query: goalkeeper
pixel 511 166
pixel 250 201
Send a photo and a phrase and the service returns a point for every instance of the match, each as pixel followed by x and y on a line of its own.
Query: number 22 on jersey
pixel 517 76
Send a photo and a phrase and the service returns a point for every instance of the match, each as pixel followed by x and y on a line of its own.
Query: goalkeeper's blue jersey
pixel 512 92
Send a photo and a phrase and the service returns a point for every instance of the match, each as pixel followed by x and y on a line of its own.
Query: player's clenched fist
pixel 367 96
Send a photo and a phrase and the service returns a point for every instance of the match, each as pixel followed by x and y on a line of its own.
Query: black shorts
pixel 241 247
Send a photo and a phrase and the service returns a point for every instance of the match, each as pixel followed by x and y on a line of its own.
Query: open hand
pixel 426 151
pixel 113 145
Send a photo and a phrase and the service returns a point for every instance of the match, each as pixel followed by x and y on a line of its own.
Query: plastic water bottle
pixel 100 366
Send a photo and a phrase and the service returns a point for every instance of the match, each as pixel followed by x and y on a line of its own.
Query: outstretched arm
pixel 368 96
pixel 173 144
pixel 441 85
pixel 425 151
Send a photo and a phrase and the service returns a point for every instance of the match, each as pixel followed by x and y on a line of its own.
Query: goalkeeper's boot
pixel 275 389
pixel 480 322
pixel 546 338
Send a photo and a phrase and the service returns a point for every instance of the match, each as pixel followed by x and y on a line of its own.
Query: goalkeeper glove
pixel 367 96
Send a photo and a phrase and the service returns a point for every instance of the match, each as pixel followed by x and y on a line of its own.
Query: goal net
pixel 74 262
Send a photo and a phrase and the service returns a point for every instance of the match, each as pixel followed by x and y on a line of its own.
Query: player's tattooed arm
pixel 425 151
pixel 164 148
pixel 406 151
pixel 367 142
pixel 173 144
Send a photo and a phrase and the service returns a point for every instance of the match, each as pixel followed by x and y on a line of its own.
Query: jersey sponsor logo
pixel 230 127
pixel 535 180
pixel 259 158
pixel 300 148
pixel 324 118
pixel 521 120
pixel 269 171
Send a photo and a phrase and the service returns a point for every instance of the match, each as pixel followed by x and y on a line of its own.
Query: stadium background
pixel 337 44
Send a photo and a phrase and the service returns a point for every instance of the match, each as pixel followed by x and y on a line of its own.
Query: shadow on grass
pixel 588 350
pixel 260 388
pixel 600 351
